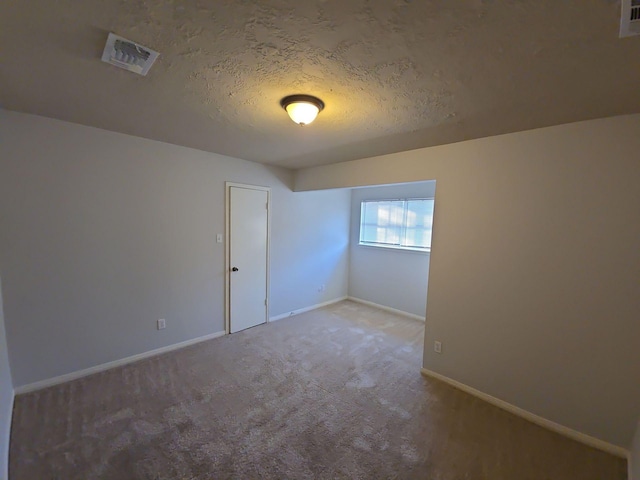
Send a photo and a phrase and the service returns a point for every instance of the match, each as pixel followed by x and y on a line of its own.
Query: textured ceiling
pixel 394 74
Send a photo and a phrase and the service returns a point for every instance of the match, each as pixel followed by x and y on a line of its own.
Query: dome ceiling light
pixel 303 109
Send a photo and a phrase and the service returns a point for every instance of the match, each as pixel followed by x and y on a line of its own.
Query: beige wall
pixel 534 285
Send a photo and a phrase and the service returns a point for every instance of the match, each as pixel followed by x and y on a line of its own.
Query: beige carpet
pixel 334 393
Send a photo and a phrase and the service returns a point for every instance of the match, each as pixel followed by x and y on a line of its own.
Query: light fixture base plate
pixel 286 101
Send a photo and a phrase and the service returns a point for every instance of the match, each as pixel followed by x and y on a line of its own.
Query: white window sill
pixel 424 251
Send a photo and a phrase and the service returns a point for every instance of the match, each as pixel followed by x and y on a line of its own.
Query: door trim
pixel 227 249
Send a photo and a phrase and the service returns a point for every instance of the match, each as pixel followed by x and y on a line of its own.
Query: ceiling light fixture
pixel 303 109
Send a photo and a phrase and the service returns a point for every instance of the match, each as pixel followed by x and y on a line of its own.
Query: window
pixel 403 224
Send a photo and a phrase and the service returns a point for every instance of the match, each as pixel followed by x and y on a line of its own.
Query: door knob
pixel 234 269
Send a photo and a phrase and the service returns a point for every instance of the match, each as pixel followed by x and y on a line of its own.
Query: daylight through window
pixel 404 224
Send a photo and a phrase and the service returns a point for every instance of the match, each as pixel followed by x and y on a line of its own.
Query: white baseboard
pixel 387 309
pixel 306 309
pixel 4 474
pixel 532 417
pixel 67 377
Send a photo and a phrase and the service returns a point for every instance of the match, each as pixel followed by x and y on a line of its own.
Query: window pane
pixel 400 223
pixel 381 222
pixel 419 220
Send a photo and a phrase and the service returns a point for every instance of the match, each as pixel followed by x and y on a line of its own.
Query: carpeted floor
pixel 333 393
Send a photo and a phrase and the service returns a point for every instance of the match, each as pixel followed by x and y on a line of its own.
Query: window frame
pixel 421 250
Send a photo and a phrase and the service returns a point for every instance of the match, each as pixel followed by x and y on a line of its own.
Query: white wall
pixel 533 283
pixel 102 233
pixel 634 457
pixel 6 397
pixel 313 239
pixel 393 278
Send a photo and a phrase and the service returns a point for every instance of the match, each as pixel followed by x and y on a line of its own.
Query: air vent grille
pixel 630 18
pixel 635 10
pixel 129 55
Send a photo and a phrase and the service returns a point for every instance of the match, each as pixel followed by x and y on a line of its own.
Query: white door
pixel 248 244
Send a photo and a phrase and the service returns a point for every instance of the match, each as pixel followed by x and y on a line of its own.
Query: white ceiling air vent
pixel 630 19
pixel 129 55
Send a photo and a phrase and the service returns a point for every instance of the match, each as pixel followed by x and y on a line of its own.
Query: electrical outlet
pixel 322 288
pixel 162 323
pixel 437 346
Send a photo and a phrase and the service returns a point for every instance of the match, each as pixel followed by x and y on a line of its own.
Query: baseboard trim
pixel 306 309
pixel 5 473
pixel 387 309
pixel 67 377
pixel 532 417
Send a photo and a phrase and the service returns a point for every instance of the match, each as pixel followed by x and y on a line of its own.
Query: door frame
pixel 227 249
